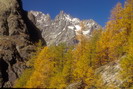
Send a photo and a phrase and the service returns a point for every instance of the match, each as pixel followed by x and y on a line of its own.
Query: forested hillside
pixel 64 66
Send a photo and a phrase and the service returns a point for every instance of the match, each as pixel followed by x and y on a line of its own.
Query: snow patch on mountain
pixel 86 32
pixel 78 27
pixel 67 17
pixel 75 20
pixel 71 27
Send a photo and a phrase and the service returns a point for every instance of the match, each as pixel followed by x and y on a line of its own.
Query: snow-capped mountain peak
pixel 64 28
pixel 64 16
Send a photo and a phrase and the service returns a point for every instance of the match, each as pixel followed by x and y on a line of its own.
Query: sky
pixel 98 10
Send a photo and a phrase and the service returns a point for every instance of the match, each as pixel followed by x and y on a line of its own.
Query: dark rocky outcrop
pixel 17 37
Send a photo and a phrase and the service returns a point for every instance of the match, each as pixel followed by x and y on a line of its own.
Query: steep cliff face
pixel 63 29
pixel 16 43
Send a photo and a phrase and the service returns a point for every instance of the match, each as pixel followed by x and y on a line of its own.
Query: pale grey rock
pixel 76 85
pixel 63 29
pixel 110 73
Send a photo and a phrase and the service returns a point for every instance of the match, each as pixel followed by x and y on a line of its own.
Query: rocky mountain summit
pixel 16 40
pixel 63 29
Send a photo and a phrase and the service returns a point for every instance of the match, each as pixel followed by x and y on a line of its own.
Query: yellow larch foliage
pixel 43 69
pixel 113 41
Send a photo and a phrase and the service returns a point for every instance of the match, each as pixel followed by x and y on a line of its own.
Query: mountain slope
pixel 63 29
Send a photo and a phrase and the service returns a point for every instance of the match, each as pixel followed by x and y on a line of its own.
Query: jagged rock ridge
pixel 63 29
